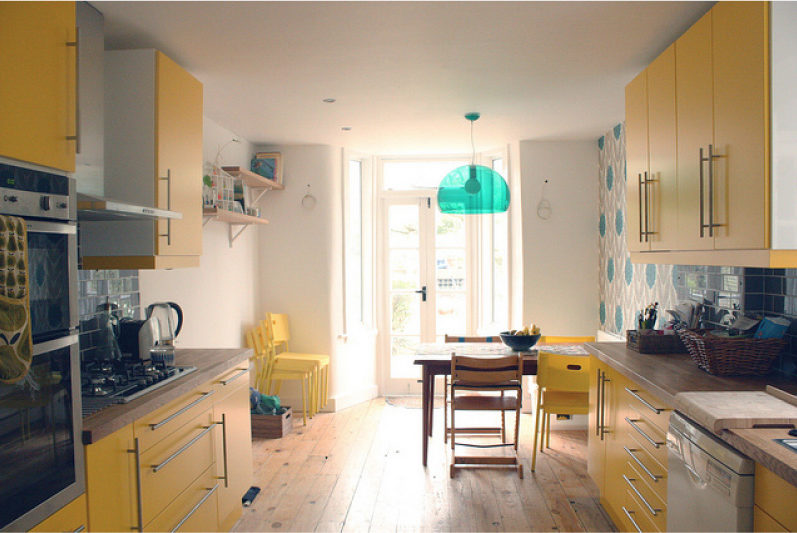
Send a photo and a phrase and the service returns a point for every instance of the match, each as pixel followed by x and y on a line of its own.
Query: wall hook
pixel 308 200
pixel 544 209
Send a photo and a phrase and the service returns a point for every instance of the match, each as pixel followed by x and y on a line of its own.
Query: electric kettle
pixel 162 312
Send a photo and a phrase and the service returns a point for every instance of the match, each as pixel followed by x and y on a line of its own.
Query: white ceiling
pixel 405 73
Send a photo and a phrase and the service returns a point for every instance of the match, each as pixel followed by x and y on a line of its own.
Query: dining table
pixel 435 360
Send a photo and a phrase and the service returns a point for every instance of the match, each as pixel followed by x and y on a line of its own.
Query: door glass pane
pixel 416 175
pixel 451 316
pixel 402 355
pixel 403 228
pixel 450 269
pixel 450 230
pixel 405 314
pixel 404 273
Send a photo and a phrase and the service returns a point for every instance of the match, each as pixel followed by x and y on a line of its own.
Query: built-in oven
pixel 41 452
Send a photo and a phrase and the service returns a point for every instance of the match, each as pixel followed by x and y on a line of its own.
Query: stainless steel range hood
pixel 89 160
pixel 97 208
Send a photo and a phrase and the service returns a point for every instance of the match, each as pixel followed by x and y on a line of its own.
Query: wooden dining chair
pixel 447 385
pixel 562 388
pixel 278 333
pixel 268 371
pixel 494 377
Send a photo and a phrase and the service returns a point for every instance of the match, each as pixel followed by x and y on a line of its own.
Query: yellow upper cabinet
pixel 153 157
pixel 695 132
pixel 636 152
pixel 37 97
pixel 662 210
pixel 740 61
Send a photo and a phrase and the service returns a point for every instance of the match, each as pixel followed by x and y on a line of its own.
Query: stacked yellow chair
pixel 268 370
pixel 277 332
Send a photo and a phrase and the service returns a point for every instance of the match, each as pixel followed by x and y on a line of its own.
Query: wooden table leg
pixel 425 407
pixel 431 403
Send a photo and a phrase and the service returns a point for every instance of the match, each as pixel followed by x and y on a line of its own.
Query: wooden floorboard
pixel 359 470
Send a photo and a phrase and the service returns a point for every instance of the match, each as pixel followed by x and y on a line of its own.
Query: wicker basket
pixel 653 342
pixel 728 356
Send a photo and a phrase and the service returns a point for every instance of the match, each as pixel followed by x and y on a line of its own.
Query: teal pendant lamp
pixel 473 189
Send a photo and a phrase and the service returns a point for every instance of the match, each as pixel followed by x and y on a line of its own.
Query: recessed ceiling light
pixel 328 100
pixel 346 128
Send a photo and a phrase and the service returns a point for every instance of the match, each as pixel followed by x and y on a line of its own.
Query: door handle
pixel 422 292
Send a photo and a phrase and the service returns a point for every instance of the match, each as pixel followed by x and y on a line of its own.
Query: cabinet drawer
pixel 776 496
pixel 763 522
pixel 648 469
pixel 159 424
pixel 190 509
pixel 231 381
pixel 642 433
pixel 651 504
pixel 175 462
pixel 635 516
pixel 71 517
pixel 654 410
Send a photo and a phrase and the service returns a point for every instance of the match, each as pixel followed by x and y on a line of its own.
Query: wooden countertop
pixel 665 375
pixel 210 363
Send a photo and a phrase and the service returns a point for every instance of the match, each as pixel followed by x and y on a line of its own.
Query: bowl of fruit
pixel 521 340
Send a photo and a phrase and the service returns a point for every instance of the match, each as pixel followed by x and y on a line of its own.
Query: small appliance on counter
pixel 168 329
pixel 138 337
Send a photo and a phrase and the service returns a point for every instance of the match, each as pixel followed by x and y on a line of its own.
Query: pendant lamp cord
pixel 472 145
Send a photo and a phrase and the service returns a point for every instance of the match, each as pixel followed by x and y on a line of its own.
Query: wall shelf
pixel 233 219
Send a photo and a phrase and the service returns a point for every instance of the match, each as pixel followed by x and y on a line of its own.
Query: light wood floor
pixel 360 470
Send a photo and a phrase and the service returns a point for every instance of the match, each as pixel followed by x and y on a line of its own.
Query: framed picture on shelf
pixel 268 165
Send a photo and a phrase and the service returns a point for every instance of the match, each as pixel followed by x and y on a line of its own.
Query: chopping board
pixel 736 409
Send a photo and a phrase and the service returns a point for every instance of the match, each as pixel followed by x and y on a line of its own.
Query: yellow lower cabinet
pixel 110 482
pixel 171 465
pixel 194 509
pixel 233 451
pixel 763 522
pixel 776 497
pixel 71 517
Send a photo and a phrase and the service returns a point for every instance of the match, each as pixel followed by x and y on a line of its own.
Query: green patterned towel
pixel 16 347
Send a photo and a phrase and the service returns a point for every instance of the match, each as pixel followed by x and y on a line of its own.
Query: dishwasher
pixel 709 484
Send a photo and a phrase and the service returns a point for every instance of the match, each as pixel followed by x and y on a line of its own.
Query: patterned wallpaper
pixel 624 287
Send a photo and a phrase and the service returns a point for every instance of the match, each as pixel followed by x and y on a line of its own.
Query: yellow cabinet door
pixel 596 445
pixel 616 455
pixel 740 57
pixel 37 95
pixel 694 101
pixel 662 206
pixel 178 126
pixel 636 153
pixel 110 482
pixel 234 452
pixel 71 517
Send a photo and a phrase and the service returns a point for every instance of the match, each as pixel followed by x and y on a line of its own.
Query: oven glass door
pixel 40 451
pixel 53 301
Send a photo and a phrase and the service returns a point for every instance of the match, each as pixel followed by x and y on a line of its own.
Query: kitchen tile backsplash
pixel 119 288
pixel 726 292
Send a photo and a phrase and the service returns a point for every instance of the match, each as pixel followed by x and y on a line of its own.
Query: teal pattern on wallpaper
pixel 624 287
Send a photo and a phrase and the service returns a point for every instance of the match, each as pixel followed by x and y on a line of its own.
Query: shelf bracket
pixel 206 219
pixel 237 234
pixel 259 196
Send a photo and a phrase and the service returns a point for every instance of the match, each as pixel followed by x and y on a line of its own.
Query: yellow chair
pixel 562 388
pixel 278 333
pixel 553 339
pixel 269 370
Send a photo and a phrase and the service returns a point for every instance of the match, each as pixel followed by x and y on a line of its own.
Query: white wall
pixel 301 270
pixel 560 291
pixel 219 297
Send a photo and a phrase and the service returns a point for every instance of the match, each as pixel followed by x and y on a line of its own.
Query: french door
pixel 427 268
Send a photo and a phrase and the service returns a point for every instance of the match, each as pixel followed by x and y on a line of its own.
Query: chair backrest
pixel 488 372
pixel 561 372
pixel 456 338
pixel 279 330
pixel 554 339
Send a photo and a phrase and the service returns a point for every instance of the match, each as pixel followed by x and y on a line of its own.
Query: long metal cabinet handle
pixel 641 231
pixel 76 136
pixel 598 409
pixel 197 506
pixel 647 206
pixel 139 494
pixel 80 529
pixel 702 194
pixel 635 394
pixel 226 382
pixel 653 511
pixel 633 424
pixel 631 518
pixel 171 417
pixel 168 180
pixel 636 459
pixel 224 448
pixel 604 431
pixel 172 457
pixel 711 190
